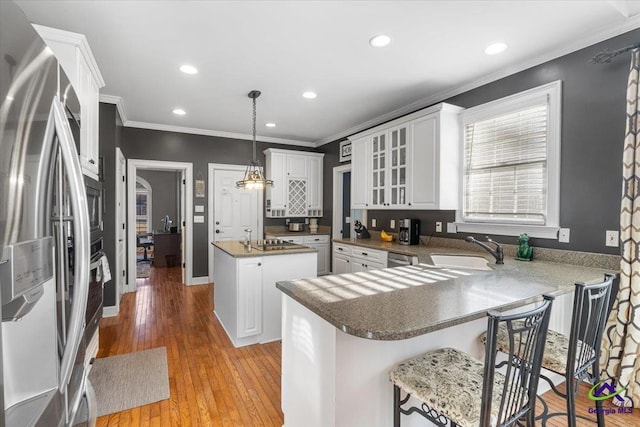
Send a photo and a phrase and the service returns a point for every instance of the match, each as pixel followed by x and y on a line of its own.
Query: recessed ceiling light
pixel 188 69
pixel 495 48
pixel 380 41
pixel 270 125
pixel 310 95
pixel 179 112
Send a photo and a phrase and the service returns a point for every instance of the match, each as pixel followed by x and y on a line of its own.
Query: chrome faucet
pixel 498 253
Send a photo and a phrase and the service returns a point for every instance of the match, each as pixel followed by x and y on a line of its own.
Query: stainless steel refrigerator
pixel 44 236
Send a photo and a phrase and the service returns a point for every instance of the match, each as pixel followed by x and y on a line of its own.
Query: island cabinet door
pixel 249 297
pixel 341 264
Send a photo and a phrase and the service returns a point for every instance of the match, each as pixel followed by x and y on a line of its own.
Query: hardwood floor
pixel 211 382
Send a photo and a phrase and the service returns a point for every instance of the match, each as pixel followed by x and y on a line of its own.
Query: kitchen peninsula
pixel 342 334
pixel 246 300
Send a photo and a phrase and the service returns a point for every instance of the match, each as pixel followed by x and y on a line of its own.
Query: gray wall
pixel 109 133
pixel 164 196
pixel 593 125
pixel 200 151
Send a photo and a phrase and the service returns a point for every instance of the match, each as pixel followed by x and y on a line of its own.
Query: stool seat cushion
pixel 555 350
pixel 449 382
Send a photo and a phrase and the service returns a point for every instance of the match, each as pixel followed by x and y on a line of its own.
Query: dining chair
pixel 455 389
pixel 575 357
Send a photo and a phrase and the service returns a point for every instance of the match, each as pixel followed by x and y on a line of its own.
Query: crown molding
pixel 76 39
pixel 600 36
pixel 111 99
pixel 119 102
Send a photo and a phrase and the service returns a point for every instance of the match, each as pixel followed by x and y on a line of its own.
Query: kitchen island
pixel 342 334
pixel 245 298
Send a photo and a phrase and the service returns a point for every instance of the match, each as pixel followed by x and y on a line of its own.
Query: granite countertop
pixel 278 230
pixel 238 250
pixel 404 302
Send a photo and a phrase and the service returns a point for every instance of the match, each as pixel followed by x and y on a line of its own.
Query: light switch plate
pixel 613 238
pixel 392 224
pixel 199 208
pixel 347 219
pixel 438 227
pixel 451 228
pixel 563 235
pixel 198 219
pixel 374 223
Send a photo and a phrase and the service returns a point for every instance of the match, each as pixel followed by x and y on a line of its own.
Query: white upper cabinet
pixel 76 59
pixel 409 163
pixel 297 183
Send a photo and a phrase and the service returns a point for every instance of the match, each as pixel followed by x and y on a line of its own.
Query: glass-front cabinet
pixel 389 168
pixel 378 169
pixel 398 166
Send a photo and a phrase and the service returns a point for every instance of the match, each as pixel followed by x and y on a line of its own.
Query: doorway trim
pixel 187 254
pixel 120 271
pixel 211 205
pixel 336 225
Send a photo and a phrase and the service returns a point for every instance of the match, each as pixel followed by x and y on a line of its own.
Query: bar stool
pixel 456 389
pixel 574 356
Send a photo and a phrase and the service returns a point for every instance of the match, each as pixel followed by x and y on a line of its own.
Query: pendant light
pixel 253 177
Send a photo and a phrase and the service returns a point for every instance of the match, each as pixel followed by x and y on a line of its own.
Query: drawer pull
pixel 365 254
pixel 316 239
pixel 340 249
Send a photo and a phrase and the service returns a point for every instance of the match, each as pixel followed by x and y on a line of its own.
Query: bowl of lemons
pixel 386 237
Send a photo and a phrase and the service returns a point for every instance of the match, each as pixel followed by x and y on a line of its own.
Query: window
pixel 143 206
pixel 511 165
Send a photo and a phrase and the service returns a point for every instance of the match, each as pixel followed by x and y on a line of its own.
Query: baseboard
pixel 202 280
pixel 110 311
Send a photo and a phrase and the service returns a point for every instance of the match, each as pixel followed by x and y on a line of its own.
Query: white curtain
pixel 620 358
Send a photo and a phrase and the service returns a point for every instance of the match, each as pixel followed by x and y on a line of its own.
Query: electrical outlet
pixel 438 227
pixel 613 238
pixel 347 219
pixel 563 235
pixel 374 223
pixel 451 228
pixel 392 224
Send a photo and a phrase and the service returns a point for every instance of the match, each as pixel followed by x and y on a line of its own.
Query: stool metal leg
pixel 396 406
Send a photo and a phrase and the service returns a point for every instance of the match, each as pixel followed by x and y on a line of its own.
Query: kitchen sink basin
pixel 460 261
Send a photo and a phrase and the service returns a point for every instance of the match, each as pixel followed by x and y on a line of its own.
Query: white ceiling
pixel 284 48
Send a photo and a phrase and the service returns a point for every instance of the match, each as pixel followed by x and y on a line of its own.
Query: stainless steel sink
pixel 460 261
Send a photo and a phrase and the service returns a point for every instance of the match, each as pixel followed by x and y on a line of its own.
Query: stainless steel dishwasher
pixel 399 260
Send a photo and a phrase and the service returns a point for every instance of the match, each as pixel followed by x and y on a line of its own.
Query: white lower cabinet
pixel 249 297
pixel 245 297
pixel 355 259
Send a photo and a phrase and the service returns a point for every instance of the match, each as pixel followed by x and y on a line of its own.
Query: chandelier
pixel 253 176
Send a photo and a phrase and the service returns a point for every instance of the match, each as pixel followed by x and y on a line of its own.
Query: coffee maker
pixel 409 232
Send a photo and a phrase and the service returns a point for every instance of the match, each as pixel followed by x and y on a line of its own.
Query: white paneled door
pixel 234 210
pixel 121 226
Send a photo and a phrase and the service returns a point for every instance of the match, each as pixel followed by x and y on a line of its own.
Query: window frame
pixel 552 92
pixel 148 192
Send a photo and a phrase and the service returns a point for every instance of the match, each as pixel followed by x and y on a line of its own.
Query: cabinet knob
pixel 259 264
pixel 409 204
pixel 217 222
pixel 93 162
pixel 217 231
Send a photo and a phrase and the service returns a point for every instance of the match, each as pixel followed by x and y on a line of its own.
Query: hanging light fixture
pixel 253 177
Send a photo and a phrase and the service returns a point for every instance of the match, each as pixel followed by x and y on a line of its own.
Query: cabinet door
pixel 89 104
pixel 398 165
pixel 359 173
pixel 249 297
pixel 357 266
pixel 323 259
pixel 297 166
pixel 297 193
pixel 379 197
pixel 277 193
pixel 341 264
pixel 314 182
pixel 424 172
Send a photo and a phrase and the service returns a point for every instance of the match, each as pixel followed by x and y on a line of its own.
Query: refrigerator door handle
pixel 79 205
pixel 92 405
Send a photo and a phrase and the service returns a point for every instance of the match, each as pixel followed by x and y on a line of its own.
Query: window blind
pixel 505 178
